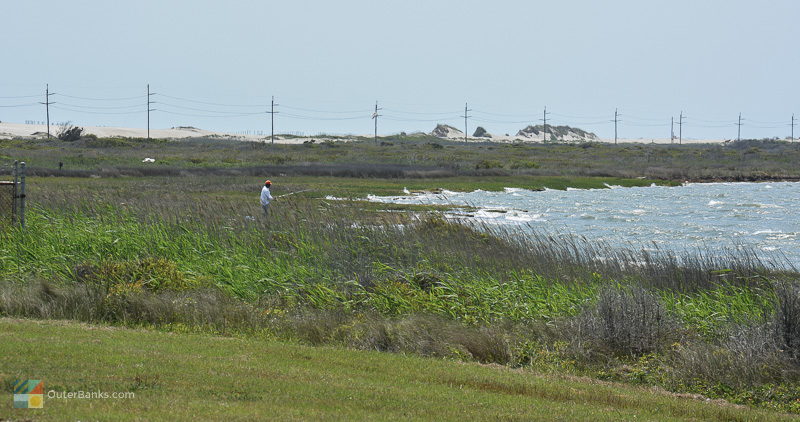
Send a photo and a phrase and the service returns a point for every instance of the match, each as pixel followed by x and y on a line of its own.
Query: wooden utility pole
pixel 149 109
pixel 544 124
pixel 680 128
pixel 272 120
pixel 466 116
pixel 47 103
pixel 616 119
pixel 375 116
pixel 739 133
pixel 792 137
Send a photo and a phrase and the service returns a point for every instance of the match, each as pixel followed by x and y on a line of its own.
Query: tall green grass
pixel 188 254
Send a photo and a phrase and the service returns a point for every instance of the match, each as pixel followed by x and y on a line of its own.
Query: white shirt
pixel 265 196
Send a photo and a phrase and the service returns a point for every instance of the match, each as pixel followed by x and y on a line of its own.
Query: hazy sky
pixel 327 62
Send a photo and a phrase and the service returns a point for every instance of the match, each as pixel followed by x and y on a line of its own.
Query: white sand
pixel 512 138
pixel 19 130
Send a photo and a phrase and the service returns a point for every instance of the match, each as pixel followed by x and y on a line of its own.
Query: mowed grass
pixel 183 376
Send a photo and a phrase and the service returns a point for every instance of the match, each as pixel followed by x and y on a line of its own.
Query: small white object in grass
pixel 405 191
pixel 149 160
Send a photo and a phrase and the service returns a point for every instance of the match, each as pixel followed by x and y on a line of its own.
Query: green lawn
pixel 204 377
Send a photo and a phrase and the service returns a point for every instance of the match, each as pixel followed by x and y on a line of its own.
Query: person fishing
pixel 266 197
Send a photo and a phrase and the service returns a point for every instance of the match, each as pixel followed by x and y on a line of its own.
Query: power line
pixel 101 99
pixel 578 117
pixel 301 117
pixel 652 119
pixel 326 111
pixel 500 121
pixel 206 110
pixel 644 124
pixel 425 113
pixel 100 107
pixel 400 119
pixel 20 105
pixel 204 115
pixel 59 107
pixel 20 96
pixel 184 106
pixel 210 103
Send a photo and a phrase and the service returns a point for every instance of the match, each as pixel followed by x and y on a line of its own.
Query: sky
pixel 215 65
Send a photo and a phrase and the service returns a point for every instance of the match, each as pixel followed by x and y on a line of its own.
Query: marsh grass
pixel 410 156
pixel 190 254
pixel 625 321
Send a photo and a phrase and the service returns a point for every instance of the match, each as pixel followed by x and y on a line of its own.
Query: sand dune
pixel 20 130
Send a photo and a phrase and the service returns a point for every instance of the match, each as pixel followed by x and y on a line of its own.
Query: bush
pixel 150 274
pixel 69 133
pixel 524 165
pixel 488 164
pixel 787 319
pixel 429 335
pixel 623 321
pixel 748 356
pixel 198 309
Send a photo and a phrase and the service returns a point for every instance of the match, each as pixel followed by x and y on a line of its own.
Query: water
pixel 697 216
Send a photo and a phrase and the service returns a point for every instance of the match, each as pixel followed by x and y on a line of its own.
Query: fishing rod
pixel 292 193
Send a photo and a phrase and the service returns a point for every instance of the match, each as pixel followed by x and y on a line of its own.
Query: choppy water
pixel 760 216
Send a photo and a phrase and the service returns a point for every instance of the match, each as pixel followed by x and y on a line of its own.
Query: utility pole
pixel 47 103
pixel 672 129
pixel 792 138
pixel 149 109
pixel 272 120
pixel 739 133
pixel 544 123
pixel 465 116
pixel 375 116
pixel 616 119
pixel 680 128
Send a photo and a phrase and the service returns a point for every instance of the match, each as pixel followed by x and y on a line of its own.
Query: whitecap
pixel 767 231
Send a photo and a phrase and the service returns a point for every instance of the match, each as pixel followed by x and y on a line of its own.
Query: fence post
pixel 14 194
pixel 22 195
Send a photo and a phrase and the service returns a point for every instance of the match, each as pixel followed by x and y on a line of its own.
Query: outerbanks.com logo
pixel 30 394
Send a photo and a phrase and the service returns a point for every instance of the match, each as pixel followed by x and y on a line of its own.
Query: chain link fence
pixel 12 195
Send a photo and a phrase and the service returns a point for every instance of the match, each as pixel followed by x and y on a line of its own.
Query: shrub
pixel 488 164
pixel 95 142
pixel 151 274
pixel 787 318
pixel 624 321
pixel 524 165
pixel 196 309
pixel 747 356
pixel 69 133
pixel 429 335
pixel 315 326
